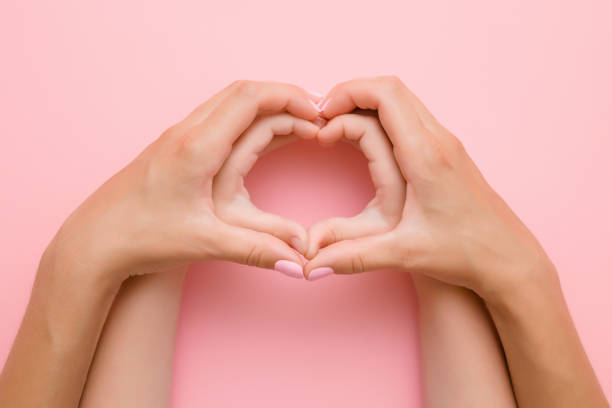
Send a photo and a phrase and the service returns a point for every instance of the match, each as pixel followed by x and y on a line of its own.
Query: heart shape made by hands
pixel 233 205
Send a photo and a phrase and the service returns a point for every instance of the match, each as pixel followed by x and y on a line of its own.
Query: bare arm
pixel 462 360
pixel 455 228
pixel 546 357
pixel 133 363
pixel 48 363
pixel 153 216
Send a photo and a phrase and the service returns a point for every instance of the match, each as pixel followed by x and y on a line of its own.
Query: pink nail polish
pixel 319 273
pixel 323 104
pixel 315 105
pixel 289 268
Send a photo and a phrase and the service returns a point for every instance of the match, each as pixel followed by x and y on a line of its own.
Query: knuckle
pixel 191 146
pixel 254 256
pixel 391 83
pixel 434 155
pixel 172 132
pixel 357 264
pixel 245 87
pixel 457 145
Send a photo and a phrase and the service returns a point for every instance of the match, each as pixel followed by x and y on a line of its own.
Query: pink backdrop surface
pixel 84 86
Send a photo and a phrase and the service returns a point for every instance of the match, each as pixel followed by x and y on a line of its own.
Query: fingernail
pixel 319 273
pixel 297 244
pixel 315 105
pixel 289 268
pixel 323 104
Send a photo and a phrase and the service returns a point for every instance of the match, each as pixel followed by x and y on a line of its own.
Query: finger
pixel 200 113
pixel 384 211
pixel 238 110
pixel 277 143
pixel 248 216
pixel 257 249
pixel 261 134
pixel 354 256
pixel 396 110
pixel 376 147
pixel 233 205
pixel 253 142
pixel 326 232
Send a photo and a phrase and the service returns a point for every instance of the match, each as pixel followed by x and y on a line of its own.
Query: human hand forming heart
pixel 232 202
pixel 183 200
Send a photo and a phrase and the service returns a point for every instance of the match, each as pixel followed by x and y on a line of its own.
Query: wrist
pixel 60 266
pixel 519 284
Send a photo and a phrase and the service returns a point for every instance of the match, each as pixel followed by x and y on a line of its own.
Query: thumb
pixel 355 256
pixel 259 249
pixel 242 213
pixel 331 230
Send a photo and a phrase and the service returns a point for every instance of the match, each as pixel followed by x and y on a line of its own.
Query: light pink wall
pixel 84 86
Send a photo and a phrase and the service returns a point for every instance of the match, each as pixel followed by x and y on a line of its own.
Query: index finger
pixel 398 111
pixel 244 102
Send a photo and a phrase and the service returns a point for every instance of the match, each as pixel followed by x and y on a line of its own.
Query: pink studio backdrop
pixel 84 86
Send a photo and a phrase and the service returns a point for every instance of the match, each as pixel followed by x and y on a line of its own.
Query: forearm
pixel 547 362
pixel 53 349
pixel 459 349
pixel 133 363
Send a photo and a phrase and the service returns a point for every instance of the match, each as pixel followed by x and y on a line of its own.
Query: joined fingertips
pixel 322 105
pixel 331 133
pixel 356 256
pixel 320 273
pixel 320 122
pixel 305 129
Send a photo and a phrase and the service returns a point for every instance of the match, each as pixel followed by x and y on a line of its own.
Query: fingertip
pixel 291 269
pixel 306 129
pixel 298 244
pixel 320 122
pixel 312 250
pixel 323 103
pixel 331 133
pixel 319 273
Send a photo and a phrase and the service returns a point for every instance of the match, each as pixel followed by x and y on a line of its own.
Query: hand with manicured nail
pixel 158 211
pixel 232 202
pixel 384 211
pixel 231 198
pixel 455 228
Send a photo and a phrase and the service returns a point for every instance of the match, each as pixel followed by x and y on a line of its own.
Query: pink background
pixel 525 84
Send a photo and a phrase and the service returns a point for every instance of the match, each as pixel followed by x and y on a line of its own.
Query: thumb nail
pixel 319 273
pixel 289 268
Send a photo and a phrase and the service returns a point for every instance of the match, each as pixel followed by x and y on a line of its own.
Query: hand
pixel 454 227
pixel 384 211
pixel 230 197
pixel 157 212
pixel 232 202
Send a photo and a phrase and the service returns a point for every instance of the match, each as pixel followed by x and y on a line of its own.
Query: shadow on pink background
pixel 526 85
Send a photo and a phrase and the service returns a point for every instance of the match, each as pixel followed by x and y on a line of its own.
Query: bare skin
pixel 459 343
pixel 133 363
pixel 457 230
pixel 158 215
pixel 154 216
